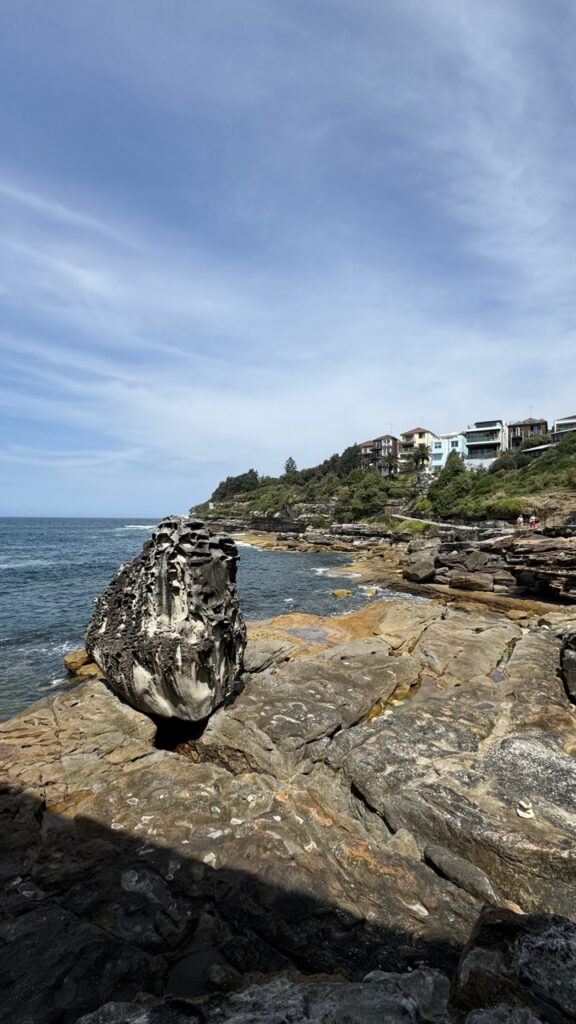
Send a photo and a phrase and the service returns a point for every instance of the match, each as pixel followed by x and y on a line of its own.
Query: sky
pixel 237 231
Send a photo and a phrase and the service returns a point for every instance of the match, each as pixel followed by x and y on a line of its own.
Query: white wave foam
pixel 53 682
pixel 245 544
pixel 29 563
pixel 138 526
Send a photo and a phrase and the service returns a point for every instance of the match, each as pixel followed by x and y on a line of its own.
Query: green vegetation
pixel 421 456
pixel 236 485
pixel 508 487
pixel 343 488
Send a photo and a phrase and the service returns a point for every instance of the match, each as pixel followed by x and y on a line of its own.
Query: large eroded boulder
pixel 168 632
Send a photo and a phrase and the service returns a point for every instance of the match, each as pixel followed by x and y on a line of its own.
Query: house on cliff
pixel 409 441
pixel 485 440
pixel 443 445
pixel 563 426
pixel 380 453
pixel 525 430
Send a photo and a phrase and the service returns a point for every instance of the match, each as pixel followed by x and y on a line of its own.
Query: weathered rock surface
pixel 348 812
pixel 74 660
pixel 511 563
pixel 527 961
pixel 568 661
pixel 382 999
pixel 441 731
pixel 168 633
pixel 515 970
pixel 548 563
pixel 133 855
pixel 286 716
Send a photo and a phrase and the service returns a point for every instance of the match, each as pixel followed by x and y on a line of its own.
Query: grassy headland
pixel 341 490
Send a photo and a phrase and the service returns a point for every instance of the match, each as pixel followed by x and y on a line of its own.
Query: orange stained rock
pixel 361 851
pixel 313 633
pixel 322 819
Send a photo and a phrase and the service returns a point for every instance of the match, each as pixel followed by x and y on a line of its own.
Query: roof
pixel 382 437
pixel 417 430
pixel 522 423
pixel 484 425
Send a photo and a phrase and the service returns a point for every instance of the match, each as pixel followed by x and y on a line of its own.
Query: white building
pixel 485 440
pixel 562 427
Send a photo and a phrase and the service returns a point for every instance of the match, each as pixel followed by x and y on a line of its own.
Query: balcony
pixel 481 454
pixel 482 437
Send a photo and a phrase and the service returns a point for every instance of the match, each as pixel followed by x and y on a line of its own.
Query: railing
pixel 482 437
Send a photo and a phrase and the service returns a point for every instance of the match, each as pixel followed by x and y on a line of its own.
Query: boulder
pixel 74 660
pixel 421 569
pixel 167 632
pixel 462 580
pixel 89 671
pixel 528 961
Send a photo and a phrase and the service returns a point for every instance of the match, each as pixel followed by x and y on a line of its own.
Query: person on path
pixel 520 521
pixel 533 522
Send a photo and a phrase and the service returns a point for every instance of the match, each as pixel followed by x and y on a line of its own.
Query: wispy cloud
pixel 257 230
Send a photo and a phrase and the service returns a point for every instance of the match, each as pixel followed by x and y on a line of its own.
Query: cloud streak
pixel 255 230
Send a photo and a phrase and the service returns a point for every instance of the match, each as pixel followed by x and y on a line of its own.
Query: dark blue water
pixel 52 569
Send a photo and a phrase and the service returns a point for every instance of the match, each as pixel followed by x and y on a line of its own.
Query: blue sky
pixel 246 229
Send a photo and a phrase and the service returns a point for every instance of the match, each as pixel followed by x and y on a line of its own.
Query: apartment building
pixel 485 440
pixel 376 452
pixel 562 426
pixel 407 444
pixel 523 430
pixel 443 445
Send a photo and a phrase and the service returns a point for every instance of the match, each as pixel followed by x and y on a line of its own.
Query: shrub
pixel 422 506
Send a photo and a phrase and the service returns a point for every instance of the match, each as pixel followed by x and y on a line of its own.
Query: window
pixel 453 444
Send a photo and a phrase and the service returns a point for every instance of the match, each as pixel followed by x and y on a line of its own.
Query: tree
pixel 236 485
pixel 450 486
pixel 290 467
pixel 368 496
pixel 389 461
pixel 421 456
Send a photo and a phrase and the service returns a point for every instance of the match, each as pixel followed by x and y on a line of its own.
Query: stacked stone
pixel 547 564
pixel 168 632
pixel 461 565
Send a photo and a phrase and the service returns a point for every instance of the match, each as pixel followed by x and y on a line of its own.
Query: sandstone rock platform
pixel 351 811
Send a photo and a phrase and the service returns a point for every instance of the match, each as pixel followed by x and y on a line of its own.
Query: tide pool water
pixel 51 571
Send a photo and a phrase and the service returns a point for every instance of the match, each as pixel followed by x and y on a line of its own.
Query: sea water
pixel 51 571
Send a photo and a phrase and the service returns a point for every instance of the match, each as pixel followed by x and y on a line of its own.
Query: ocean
pixel 51 570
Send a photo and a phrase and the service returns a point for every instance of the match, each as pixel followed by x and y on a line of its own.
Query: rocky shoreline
pixel 379 824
